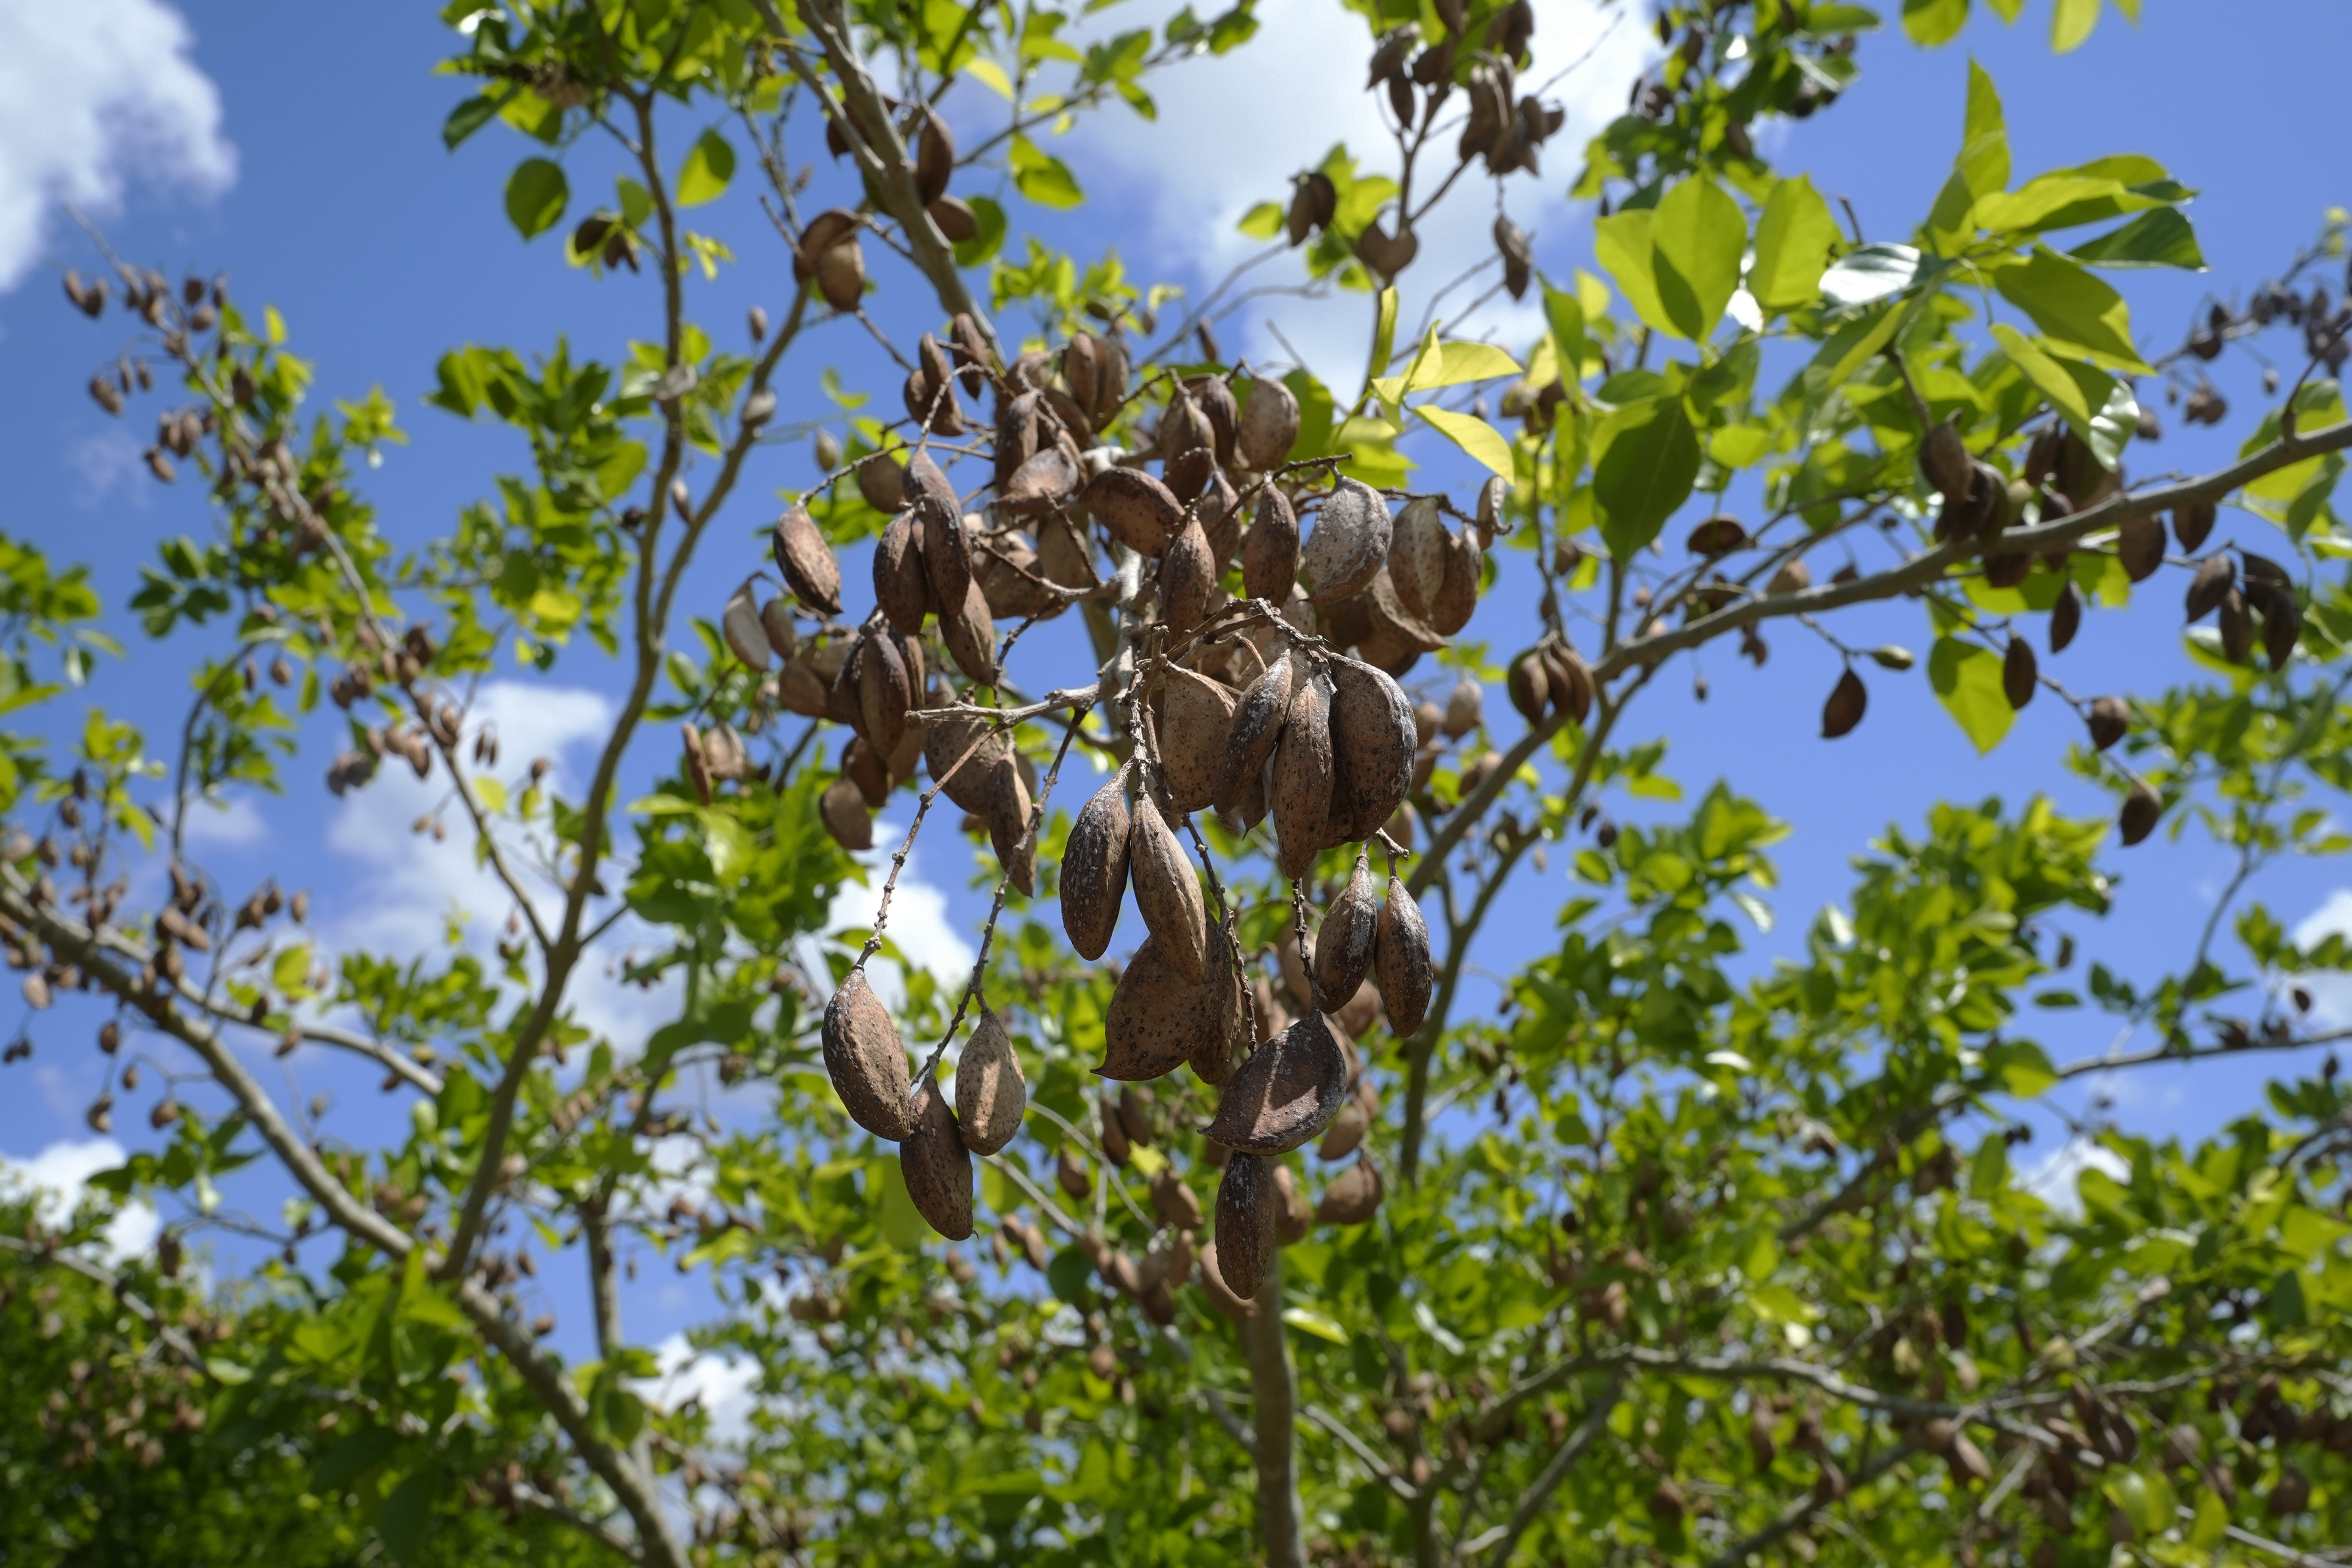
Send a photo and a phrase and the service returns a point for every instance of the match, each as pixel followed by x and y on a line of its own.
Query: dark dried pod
pixel 1344 942
pixel 2019 673
pixel 2066 616
pixel 2139 546
pixel 807 563
pixel 1843 711
pixel 937 1166
pixel 1095 869
pixel 1248 1211
pixel 2141 809
pixel 1944 462
pixel 2216 576
pixel 2192 522
pixel 866 1060
pixel 1270 550
pixel 1400 961
pixel 2109 720
pixel 901 587
pixel 1286 1094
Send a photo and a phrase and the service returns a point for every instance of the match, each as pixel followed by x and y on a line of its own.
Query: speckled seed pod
pixel 1372 739
pixel 902 590
pixel 1248 1210
pixel 806 562
pixel 1255 731
pixel 1270 550
pixel 1350 542
pixel 1268 426
pixel 1188 576
pixel 937 1167
pixel 1353 1197
pixel 747 639
pixel 1158 1019
pixel 1167 892
pixel 866 1060
pixel 1343 945
pixel 1094 868
pixel 1141 512
pixel 1286 1094
pixel 1299 792
pixel 1401 960
pixel 1195 716
pixel 991 1093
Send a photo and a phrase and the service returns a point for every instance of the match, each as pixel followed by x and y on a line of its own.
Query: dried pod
pixel 2139 546
pixel 1793 577
pixel 1465 708
pixel 1718 535
pixel 1346 1132
pixel 1159 1020
pixel 1222 1296
pixel 2235 623
pixel 1174 1201
pixel 866 1060
pixel 882 483
pixel 2216 575
pixel 1286 1094
pixel 1456 598
pixel 1196 715
pixel 1350 542
pixel 1167 892
pixel 1843 711
pixel 806 562
pixel 2019 674
pixel 1343 944
pixel 1519 256
pixel 1295 1217
pixel 1945 463
pixel 2066 616
pixel 1401 960
pixel 946 552
pixel 1416 558
pixel 2281 626
pixel 1094 869
pixel 841 274
pixel 1268 426
pixel 934 158
pixel 1372 738
pixel 1353 1197
pixel 775 624
pixel 1188 577
pixel 1041 483
pixel 843 810
pixel 947 737
pixel 2138 817
pixel 970 636
pixel 1270 550
pixel 1249 1210
pixel 1572 680
pixel 2192 523
pixel 937 1166
pixel 1299 791
pixel 740 624
pixel 1141 512
pixel 884 692
pixel 1530 686
pixel 2109 720
pixel 864 766
pixel 902 589
pixel 1009 828
pixel 991 1093
pixel 1256 729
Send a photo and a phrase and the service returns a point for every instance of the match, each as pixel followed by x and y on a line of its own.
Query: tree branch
pixel 1281 1526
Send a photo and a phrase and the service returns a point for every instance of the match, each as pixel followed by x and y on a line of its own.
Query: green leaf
pixel 2071 22
pixel 1646 459
pixel 1967 679
pixel 1622 243
pixel 1042 177
pixel 710 164
pixel 536 193
pixel 902 1223
pixel 1934 22
pixel 1698 235
pixel 408 1512
pixel 2212 1526
pixel 1983 163
pixel 988 232
pixel 1307 1321
pixel 1262 221
pixel 467 118
pixel 2074 309
pixel 1793 240
pixel 1458 362
pixel 2159 238
pixel 1473 435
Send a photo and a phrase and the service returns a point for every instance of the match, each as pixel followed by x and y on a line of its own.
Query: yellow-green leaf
pixel 2075 309
pixel 1967 679
pixel 1042 177
pixel 710 164
pixel 1473 435
pixel 1792 245
pixel 1307 1321
pixel 2071 22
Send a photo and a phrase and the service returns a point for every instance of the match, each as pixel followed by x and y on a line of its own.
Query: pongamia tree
pixel 1736 1269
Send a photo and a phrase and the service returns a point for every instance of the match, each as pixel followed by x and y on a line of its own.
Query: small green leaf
pixel 2071 22
pixel 467 118
pixel 1473 435
pixel 1698 235
pixel 2159 238
pixel 1967 679
pixel 2073 309
pixel 1622 242
pixel 1983 163
pixel 988 235
pixel 1307 1321
pixel 536 193
pixel 1934 22
pixel 1042 177
pixel 1646 459
pixel 1793 239
pixel 1262 221
pixel 710 164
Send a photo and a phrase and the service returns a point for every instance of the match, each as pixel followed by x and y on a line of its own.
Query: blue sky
pixel 298 148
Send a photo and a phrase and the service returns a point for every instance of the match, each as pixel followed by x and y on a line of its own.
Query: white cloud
pixel 60 1175
pixel 238 825
pixel 90 93
pixel 1231 132
pixel 104 463
pixel 2053 1180
pixel 724 1385
pixel 2331 994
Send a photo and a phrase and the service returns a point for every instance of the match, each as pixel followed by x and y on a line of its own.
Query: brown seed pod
pixel 1008 827
pixel 884 693
pixel 1530 686
pixel 1945 463
pixel 955 218
pixel 1141 512
pixel 2019 674
pixel 1295 1217
pixel 800 691
pixel 806 562
pixel 901 587
pixel 991 1093
pixel 1353 1197
pixel 2141 809
pixel 1041 483
pixel 937 1166
pixel 1400 961
pixel 1214 399
pixel 1167 892
pixel 1465 708
pixel 1346 1132
pixel 2235 621
pixel 1256 729
pixel 946 550
pixel 1372 737
pixel 882 483
pixel 2066 616
pixel 1188 578
pixel 1718 535
pixel 1175 1203
pixel 2192 523
pixel 970 636
pixel 2109 720
pixel 1222 1296
pixel 1195 716
pixel 1456 599
pixel 1249 1211
pixel 1002 567
pixel 1270 550
pixel 1286 1094
pixel 946 738
pixel 1417 551
pixel 1793 577
pixel 841 274
pixel 1094 869
pixel 843 810
pixel 934 158
pixel 775 624
pixel 1572 680
pixel 747 639
pixel 1159 1020
pixel 2139 546
pixel 1349 543
pixel 862 765
pixel 1300 789
pixel 2281 626
pixel 1268 426
pixel 1343 944
pixel 2216 575
pixel 1843 711
pixel 1967 1462
pixel 866 1060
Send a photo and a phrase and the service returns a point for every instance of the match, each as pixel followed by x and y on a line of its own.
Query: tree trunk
pixel 1276 1389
